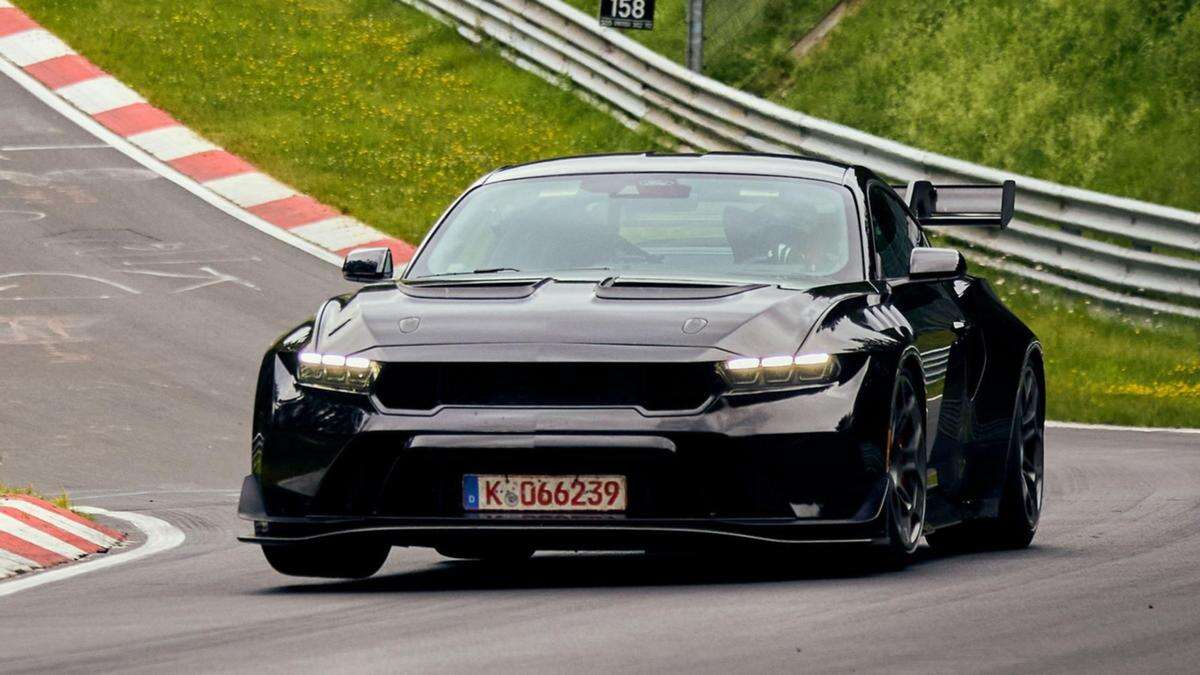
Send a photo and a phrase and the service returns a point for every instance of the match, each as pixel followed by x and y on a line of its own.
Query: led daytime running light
pixel 353 374
pixel 782 370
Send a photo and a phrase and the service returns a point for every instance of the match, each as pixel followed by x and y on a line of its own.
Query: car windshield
pixel 694 226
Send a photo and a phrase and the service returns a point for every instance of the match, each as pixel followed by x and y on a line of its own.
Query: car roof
pixel 712 162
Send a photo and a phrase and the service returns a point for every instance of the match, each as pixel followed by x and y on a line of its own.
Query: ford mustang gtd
pixel 649 352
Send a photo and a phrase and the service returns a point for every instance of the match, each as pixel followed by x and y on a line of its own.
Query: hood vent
pixel 615 288
pixel 472 290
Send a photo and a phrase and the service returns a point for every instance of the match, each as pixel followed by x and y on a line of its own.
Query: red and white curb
pixel 86 88
pixel 36 534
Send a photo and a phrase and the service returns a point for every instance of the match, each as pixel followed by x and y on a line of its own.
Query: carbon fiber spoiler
pixel 973 205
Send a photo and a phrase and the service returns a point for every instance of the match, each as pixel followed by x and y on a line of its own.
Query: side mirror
pixel 936 263
pixel 367 265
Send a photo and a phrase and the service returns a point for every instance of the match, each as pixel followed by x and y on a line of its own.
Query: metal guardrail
pixel 1052 223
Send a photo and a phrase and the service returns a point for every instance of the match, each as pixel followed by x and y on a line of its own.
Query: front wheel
pixel 328 560
pixel 906 470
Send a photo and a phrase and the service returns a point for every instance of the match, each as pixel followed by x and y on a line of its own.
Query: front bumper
pixel 575 532
pixel 791 467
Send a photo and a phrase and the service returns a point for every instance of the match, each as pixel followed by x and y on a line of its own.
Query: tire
pixel 489 554
pixel 906 462
pixel 327 560
pixel 1023 495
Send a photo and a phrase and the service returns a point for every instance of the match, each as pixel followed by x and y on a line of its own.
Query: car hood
pixel 749 319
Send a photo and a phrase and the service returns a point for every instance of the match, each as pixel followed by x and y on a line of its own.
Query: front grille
pixel 651 386
pixel 707 476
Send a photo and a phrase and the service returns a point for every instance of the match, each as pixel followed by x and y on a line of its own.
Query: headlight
pixel 353 374
pixel 778 372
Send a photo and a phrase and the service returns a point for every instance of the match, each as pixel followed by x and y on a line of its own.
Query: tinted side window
pixel 894 235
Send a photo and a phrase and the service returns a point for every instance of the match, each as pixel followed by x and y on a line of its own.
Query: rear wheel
pixel 327 560
pixel 906 470
pixel 1024 491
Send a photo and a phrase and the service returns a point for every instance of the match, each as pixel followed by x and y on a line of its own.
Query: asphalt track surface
pixel 130 385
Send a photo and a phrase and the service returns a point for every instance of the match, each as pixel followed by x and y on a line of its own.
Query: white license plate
pixel 543 493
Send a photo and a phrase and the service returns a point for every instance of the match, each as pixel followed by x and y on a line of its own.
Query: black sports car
pixel 651 352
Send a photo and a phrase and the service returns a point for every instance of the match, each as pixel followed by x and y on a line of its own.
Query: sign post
pixel 695 35
pixel 637 14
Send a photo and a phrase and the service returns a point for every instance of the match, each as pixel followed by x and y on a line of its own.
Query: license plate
pixel 543 493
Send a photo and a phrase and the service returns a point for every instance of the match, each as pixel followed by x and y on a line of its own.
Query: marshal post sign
pixel 637 14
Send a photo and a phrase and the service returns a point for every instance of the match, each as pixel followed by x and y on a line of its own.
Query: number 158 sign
pixel 627 13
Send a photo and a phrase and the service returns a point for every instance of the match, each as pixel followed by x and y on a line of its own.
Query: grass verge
pixel 392 124
pixel 62 501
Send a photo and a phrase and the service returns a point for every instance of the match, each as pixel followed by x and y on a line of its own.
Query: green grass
pixel 391 123
pixel 368 105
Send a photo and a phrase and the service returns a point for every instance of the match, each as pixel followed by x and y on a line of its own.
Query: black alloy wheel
pixel 906 469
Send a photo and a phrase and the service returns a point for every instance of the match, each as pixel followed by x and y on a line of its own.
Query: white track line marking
pixel 169 143
pixel 98 280
pixel 32 46
pixel 5 3
pixel 39 91
pixel 84 532
pixel 160 536
pixel 1055 424
pixel 99 95
pixel 31 534
pixel 32 148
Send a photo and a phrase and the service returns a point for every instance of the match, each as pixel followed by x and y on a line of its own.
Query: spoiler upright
pixel 974 205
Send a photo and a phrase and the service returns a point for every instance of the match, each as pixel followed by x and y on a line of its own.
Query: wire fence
pixel 728 22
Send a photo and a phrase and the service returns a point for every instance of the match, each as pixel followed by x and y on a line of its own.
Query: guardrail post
pixel 695 38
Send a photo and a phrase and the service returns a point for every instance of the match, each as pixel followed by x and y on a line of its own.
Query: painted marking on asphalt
pixel 129 263
pixel 172 142
pixel 64 70
pixel 100 95
pixel 160 536
pixel 336 233
pixel 43 525
pixel 213 278
pixel 41 557
pixel 135 118
pixel 32 46
pixel 38 537
pixel 13 20
pixel 67 514
pixel 211 165
pixel 293 211
pixel 34 148
pixel 20 216
pixel 11 563
pixel 85 533
pixel 250 189
pixel 88 277
pixel 1055 424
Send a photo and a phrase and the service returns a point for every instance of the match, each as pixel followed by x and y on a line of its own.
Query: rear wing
pixel 975 205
